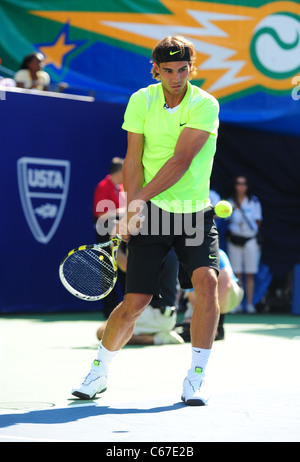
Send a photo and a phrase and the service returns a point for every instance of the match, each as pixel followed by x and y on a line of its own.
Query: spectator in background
pixel 7 82
pixel 109 200
pixel 109 206
pixel 214 197
pixel 243 248
pixel 230 295
pixel 31 74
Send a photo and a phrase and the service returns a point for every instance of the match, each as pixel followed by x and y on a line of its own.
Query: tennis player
pixel 172 130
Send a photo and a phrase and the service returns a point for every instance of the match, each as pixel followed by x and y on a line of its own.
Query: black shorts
pixel 195 240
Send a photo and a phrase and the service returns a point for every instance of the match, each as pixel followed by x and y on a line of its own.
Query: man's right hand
pixel 131 223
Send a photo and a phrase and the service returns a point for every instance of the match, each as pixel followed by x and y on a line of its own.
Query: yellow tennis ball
pixel 101 257
pixel 223 209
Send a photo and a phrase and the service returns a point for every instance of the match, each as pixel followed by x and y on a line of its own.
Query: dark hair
pixel 234 193
pixel 29 58
pixel 116 165
pixel 181 43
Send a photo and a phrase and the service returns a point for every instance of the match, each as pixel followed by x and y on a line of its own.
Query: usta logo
pixel 45 178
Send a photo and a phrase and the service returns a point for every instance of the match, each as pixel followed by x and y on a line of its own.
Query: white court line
pixel 42 409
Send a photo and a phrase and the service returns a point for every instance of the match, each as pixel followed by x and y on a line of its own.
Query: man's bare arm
pixel 133 172
pixel 189 143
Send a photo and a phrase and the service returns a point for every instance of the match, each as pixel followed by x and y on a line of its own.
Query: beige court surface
pixel 253 378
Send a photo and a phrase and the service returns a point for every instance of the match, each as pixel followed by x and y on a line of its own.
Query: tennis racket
pixel 90 271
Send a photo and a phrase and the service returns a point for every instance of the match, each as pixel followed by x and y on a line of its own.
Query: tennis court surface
pixel 253 377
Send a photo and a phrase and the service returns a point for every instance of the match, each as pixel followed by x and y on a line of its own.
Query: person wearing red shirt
pixel 109 205
pixel 109 200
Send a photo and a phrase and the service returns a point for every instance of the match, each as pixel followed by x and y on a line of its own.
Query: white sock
pixel 106 356
pixel 200 357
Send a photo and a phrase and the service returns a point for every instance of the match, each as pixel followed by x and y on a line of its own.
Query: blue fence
pixel 296 291
pixel 54 150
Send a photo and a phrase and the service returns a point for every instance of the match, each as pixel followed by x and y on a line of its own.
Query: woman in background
pixel 243 248
pixel 31 74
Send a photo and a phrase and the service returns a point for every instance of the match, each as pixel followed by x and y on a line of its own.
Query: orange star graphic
pixel 55 53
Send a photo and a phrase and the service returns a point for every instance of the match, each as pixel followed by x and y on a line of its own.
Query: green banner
pixel 248 53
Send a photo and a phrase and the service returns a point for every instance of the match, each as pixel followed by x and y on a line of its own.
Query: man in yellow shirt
pixel 172 130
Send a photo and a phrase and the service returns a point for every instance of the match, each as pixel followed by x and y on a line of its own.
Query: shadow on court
pixel 77 412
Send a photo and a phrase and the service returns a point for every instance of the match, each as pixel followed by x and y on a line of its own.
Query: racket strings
pixel 89 272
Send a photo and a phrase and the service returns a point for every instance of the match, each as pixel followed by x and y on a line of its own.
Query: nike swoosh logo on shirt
pixel 182 124
pixel 211 257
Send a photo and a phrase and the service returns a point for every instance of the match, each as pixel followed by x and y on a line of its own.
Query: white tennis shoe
pixel 95 382
pixel 194 392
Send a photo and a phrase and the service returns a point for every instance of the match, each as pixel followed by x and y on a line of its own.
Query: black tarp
pixel 271 162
